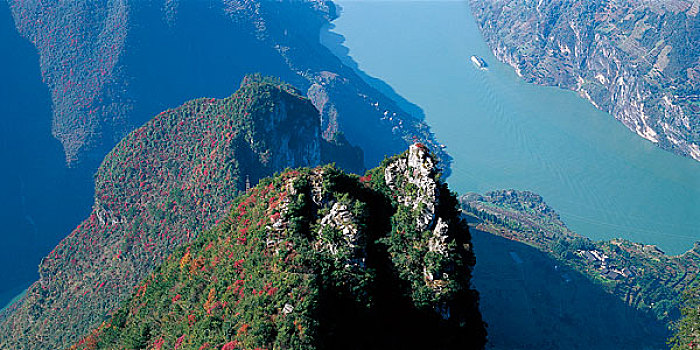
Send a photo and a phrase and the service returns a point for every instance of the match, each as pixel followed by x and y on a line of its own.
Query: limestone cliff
pixel 639 61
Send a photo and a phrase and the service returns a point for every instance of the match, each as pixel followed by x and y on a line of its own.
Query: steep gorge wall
pixel 639 61
pixel 34 182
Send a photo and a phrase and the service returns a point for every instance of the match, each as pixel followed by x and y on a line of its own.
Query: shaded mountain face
pixel 316 259
pixel 34 180
pixel 639 61
pixel 110 65
pixel 156 190
pixel 637 286
pixel 544 304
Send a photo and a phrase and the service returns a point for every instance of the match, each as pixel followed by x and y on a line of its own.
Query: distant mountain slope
pixel 34 180
pixel 157 189
pixel 111 64
pixel 638 60
pixel 641 275
pixel 316 259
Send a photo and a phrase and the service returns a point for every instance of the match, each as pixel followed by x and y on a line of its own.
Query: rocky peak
pixel 430 237
pixel 413 178
pixel 314 258
pixel 419 159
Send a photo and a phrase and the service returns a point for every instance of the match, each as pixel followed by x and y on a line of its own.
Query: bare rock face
pixel 341 220
pixel 413 178
pixel 338 232
pixel 417 169
pixel 296 140
pixel 438 242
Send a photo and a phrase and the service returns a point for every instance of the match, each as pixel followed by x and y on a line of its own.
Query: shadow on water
pixel 530 302
pixel 334 42
pixel 35 184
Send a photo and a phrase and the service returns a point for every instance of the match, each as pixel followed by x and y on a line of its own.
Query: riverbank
pixel 642 276
pixel 12 297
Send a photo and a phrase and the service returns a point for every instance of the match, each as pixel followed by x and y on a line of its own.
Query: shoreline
pixel 14 299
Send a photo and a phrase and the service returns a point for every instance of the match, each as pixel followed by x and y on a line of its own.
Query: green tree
pixel 688 328
pixel 139 338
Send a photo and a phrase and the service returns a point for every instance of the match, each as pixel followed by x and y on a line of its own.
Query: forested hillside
pixel 162 185
pixel 103 68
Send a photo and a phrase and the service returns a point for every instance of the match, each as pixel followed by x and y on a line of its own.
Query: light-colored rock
pixel 340 218
pixel 438 242
pixel 413 178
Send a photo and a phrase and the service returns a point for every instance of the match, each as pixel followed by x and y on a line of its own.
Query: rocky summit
pixel 316 258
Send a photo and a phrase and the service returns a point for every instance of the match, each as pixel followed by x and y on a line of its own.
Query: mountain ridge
pixel 157 189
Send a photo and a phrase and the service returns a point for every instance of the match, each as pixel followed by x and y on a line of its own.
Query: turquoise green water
pixel 604 180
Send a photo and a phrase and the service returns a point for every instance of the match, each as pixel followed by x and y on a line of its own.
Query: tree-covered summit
pixel 157 189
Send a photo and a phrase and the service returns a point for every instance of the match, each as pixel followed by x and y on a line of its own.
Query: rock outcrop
pixel 425 244
pixel 340 219
pixel 418 169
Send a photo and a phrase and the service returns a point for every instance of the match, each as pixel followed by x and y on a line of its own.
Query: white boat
pixel 479 62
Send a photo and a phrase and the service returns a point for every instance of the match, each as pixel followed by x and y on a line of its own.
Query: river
pixel 603 179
